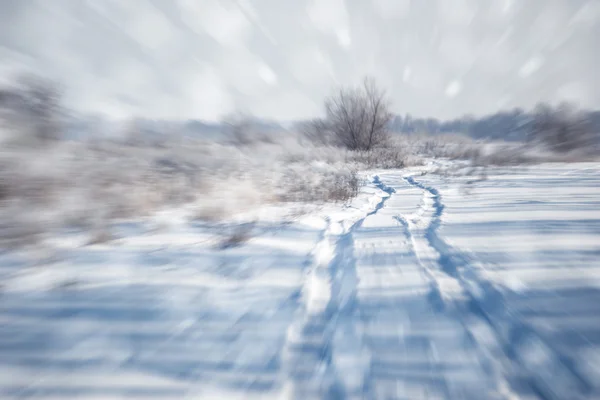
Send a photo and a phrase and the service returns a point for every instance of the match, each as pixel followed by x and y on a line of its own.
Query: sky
pixel 278 59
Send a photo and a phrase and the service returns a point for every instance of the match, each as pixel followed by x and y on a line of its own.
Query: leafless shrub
pixel 100 236
pixel 562 129
pixel 31 109
pixel 503 155
pixel 317 132
pixel 210 213
pixel 236 235
pixel 448 146
pixel 342 187
pixel 242 129
pixel 296 212
pixel 335 185
pixel 385 158
pixel 238 129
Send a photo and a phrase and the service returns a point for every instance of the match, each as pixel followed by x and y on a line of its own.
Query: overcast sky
pixel 279 58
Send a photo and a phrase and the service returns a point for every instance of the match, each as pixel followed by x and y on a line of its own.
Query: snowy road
pixel 426 288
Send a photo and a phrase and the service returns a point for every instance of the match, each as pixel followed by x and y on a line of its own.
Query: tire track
pixel 419 346
pixel 516 350
pixel 324 355
pixel 439 266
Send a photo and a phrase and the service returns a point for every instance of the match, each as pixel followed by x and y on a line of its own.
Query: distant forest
pixel 513 125
pixel 37 103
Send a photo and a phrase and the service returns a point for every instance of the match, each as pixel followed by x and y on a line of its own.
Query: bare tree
pixel 357 118
pixel 378 114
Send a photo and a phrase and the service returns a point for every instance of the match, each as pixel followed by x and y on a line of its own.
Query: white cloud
pixel 226 23
pixel 136 56
pixel 456 12
pixel 292 105
pixel 311 65
pixel 406 73
pixel 267 74
pixel 575 92
pixel 331 16
pixel 508 6
pixel 587 16
pixel 453 89
pixel 208 94
pixel 531 66
pixel 392 8
pixel 344 39
pixel 457 50
pixel 151 29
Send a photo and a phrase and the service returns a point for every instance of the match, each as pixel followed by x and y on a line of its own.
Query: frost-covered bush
pixel 441 146
pixel 48 182
pixel 88 184
pixel 318 183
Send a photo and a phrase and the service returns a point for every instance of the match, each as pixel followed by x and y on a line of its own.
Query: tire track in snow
pixel 417 351
pixel 446 291
pixel 509 344
pixel 325 356
pixel 435 293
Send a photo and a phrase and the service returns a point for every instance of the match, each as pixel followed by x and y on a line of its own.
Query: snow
pixel 528 241
pixel 424 286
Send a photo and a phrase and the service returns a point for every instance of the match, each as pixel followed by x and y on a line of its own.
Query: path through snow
pixel 371 301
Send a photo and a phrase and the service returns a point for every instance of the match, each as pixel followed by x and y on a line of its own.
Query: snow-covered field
pixel 425 287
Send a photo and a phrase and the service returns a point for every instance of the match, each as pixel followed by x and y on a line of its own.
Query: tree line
pixel 356 117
